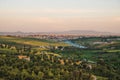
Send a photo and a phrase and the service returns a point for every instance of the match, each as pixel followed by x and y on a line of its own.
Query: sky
pixel 59 15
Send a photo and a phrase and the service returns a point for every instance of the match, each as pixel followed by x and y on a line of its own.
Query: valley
pixel 81 58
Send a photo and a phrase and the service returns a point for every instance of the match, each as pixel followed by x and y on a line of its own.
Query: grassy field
pixel 30 41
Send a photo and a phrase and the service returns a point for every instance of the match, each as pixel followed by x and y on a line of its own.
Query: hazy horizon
pixel 62 15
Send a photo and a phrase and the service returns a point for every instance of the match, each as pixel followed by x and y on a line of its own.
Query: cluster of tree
pixel 13 68
pixel 19 49
pixel 43 66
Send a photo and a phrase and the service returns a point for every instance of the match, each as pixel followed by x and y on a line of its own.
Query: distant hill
pixel 85 32
pixel 72 32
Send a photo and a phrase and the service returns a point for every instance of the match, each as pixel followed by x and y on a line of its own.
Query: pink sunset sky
pixel 59 15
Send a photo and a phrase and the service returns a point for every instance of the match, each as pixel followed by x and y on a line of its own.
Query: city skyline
pixel 63 15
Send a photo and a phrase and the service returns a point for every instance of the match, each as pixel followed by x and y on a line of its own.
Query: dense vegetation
pixel 36 59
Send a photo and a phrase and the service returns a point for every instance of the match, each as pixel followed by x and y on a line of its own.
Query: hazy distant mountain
pixel 83 32
pixel 12 33
pixel 77 32
pixel 87 32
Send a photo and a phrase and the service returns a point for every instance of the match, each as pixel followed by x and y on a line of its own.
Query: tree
pixel 50 75
pixel 24 74
pixel 40 75
pixel 34 76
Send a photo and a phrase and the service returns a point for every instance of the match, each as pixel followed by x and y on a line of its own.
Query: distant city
pixel 72 32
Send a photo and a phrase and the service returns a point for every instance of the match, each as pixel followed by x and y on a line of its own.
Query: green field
pixel 30 41
pixel 43 61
